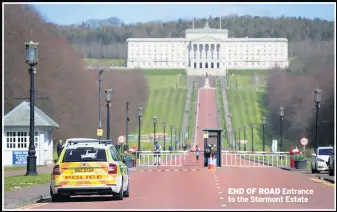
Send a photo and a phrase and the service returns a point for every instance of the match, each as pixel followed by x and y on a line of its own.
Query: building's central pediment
pixel 207 39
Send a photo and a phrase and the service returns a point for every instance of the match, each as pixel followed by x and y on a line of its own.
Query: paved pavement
pixel 23 171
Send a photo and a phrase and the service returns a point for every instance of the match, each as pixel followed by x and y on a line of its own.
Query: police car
pixel 89 167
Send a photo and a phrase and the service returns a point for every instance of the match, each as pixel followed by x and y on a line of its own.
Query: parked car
pixel 331 163
pixel 319 161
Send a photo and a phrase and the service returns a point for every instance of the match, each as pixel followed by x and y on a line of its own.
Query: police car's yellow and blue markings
pixel 72 174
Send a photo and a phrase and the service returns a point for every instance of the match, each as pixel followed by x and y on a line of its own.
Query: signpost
pixel 304 141
pixel 274 146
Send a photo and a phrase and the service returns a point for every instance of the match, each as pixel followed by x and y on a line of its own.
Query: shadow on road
pixel 83 199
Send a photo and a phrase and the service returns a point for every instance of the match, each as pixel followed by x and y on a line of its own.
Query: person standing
pixel 197 153
pixel 157 150
pixel 59 148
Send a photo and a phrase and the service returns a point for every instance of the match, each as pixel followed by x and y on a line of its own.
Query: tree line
pixel 109 42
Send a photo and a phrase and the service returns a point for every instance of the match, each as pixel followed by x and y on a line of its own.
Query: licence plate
pixel 84 170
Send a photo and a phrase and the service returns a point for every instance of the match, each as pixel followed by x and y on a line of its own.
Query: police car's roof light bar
pixel 89 141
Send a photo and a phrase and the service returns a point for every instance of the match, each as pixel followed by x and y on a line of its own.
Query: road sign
pixel 304 141
pixel 206 134
pixel 99 132
pixel 121 139
pixel 242 141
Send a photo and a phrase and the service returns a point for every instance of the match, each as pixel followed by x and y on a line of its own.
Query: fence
pixel 255 159
pixel 167 158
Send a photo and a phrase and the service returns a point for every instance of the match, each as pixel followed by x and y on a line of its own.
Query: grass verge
pixel 192 115
pixel 247 105
pixel 12 183
pixel 104 62
pixel 222 123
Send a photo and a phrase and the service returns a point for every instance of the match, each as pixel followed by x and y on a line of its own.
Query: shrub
pixel 299 157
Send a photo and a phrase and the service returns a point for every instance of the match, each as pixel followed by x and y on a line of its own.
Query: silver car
pixel 319 161
pixel 331 163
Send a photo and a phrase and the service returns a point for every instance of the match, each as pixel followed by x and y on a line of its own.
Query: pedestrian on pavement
pixel 157 150
pixel 170 149
pixel 197 153
pixel 59 148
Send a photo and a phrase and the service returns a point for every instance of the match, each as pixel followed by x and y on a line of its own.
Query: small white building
pixel 15 136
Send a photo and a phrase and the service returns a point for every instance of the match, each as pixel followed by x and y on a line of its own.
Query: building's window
pixel 22 140
pixel 218 65
pixel 36 140
pixel 10 143
pixel 195 65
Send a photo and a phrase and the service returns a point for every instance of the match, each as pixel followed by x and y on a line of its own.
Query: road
pixel 194 187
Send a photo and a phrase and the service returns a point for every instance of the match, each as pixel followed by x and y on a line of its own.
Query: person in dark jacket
pixel 59 148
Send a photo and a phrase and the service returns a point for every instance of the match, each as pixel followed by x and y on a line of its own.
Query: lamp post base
pixel 31 166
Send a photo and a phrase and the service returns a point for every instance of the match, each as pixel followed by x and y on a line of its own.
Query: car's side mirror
pixel 314 155
pixel 55 160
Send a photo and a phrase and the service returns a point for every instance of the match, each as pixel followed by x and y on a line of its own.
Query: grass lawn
pixel 192 116
pixel 221 112
pixel 246 105
pixel 17 182
pixel 13 168
pixel 104 62
pixel 166 100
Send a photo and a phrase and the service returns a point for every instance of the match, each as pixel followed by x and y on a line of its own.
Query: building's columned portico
pixel 207 49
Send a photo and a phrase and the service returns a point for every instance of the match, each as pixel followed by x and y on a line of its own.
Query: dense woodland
pixel 70 93
pixel 109 42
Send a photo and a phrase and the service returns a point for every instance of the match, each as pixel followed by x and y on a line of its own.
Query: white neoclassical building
pixel 207 50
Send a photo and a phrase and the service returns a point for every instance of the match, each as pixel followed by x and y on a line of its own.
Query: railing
pixel 167 158
pixel 254 159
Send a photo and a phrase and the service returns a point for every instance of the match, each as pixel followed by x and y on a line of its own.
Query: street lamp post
pixel 318 99
pixel 252 127
pixel 108 104
pixel 171 128
pixel 139 117
pixel 281 127
pixel 154 128
pixel 31 60
pixel 234 139
pixel 175 138
pixel 127 125
pixel 99 100
pixel 164 126
pixel 263 127
pixel 239 140
pixel 244 138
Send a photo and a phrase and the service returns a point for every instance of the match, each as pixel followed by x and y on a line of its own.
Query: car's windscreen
pixel 324 151
pixel 85 154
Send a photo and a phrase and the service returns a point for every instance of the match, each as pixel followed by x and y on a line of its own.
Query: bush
pixel 299 157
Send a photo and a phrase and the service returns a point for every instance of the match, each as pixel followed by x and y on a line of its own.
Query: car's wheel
pixel 316 169
pixel 312 170
pixel 127 192
pixel 58 197
pixel 120 194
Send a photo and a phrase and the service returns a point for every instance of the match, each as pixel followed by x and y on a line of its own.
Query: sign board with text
pixel 99 132
pixel 20 157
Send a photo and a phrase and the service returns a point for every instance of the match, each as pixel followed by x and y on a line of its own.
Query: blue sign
pixel 20 157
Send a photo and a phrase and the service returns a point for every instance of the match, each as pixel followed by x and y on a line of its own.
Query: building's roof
pixel 157 39
pixel 207 39
pixel 20 116
pixel 206 29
